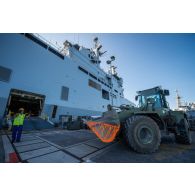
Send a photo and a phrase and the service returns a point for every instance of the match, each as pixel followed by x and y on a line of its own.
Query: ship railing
pixel 49 43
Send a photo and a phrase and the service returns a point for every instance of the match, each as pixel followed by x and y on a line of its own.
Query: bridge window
pixel 83 70
pixel 105 94
pixel 91 75
pixel 94 85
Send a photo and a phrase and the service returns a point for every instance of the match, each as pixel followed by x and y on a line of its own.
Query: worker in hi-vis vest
pixel 18 125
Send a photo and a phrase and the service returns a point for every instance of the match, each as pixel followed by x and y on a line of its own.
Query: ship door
pixel 31 102
pixel 54 111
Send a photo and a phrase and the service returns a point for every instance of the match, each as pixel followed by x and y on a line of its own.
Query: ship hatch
pixel 31 102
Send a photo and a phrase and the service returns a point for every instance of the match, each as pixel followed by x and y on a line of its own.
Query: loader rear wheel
pixel 184 136
pixel 142 134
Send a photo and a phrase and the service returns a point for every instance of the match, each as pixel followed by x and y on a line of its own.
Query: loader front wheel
pixel 142 134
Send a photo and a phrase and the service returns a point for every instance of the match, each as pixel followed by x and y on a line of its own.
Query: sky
pixel 146 60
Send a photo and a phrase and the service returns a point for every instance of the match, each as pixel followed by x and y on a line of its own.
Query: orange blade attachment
pixel 105 132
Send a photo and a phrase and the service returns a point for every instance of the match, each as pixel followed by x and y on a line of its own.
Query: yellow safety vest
pixel 16 121
pixel 21 116
pixel 19 120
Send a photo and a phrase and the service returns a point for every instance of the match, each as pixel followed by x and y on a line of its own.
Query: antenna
pixel 112 58
pixel 178 99
pixel 74 38
pixel 78 38
pixel 112 70
pixel 97 48
pixel 95 40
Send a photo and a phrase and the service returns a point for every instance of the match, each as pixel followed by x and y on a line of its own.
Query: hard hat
pixel 21 109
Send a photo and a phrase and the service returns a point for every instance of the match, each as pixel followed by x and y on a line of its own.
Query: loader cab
pixel 152 99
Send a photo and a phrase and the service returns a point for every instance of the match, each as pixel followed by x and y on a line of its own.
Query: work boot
pixel 12 141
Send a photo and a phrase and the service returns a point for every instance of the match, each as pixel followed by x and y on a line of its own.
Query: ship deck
pixel 57 145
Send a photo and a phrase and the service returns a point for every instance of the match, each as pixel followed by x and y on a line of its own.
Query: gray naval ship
pixel 54 82
pixel 189 108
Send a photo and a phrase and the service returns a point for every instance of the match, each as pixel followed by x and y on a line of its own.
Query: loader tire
pixel 142 134
pixel 184 136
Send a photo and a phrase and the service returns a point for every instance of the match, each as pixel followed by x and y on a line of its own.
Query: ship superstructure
pixel 188 108
pixel 55 81
pixel 184 106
